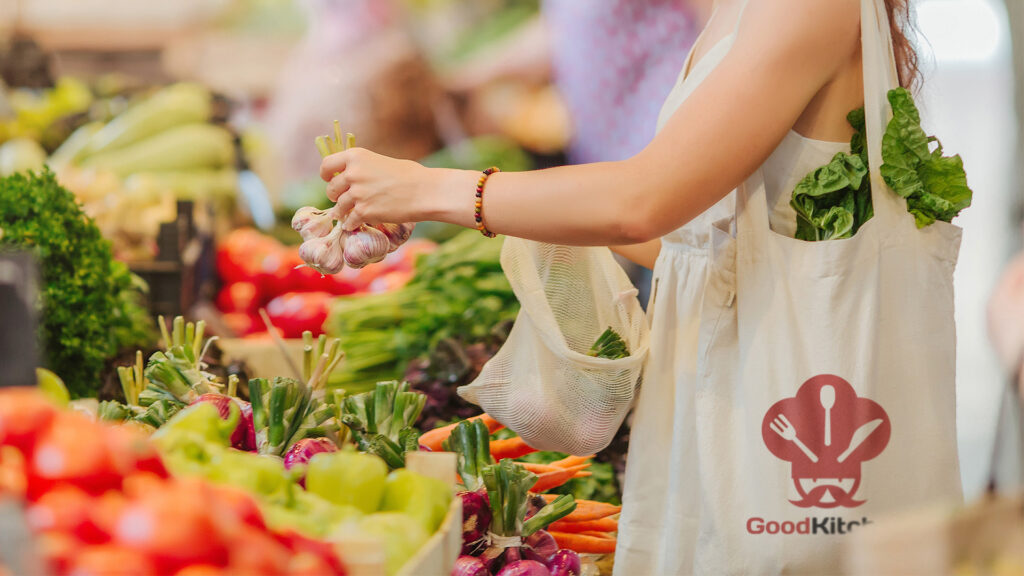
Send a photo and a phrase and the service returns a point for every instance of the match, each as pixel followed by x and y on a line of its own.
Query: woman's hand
pixel 374 189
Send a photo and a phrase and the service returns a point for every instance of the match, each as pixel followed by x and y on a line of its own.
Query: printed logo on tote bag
pixel 825 432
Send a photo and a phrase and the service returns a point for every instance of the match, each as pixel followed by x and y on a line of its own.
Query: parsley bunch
pixel 91 306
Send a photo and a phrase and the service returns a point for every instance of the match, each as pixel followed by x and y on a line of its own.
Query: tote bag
pixel 542 384
pixel 826 396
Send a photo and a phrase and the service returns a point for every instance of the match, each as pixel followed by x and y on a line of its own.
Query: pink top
pixel 615 62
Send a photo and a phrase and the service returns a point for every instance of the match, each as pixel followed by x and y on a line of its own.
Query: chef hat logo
pixel 826 431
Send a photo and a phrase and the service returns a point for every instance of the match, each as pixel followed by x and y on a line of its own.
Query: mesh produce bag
pixel 542 384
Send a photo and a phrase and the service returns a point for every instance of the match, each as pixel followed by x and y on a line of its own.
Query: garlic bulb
pixel 397 233
pixel 325 254
pixel 312 223
pixel 365 246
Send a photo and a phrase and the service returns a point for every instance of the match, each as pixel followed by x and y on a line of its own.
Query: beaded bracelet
pixel 480 201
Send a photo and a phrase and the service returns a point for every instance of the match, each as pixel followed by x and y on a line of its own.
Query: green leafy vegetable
pixel 834 201
pixel 91 306
pixel 934 185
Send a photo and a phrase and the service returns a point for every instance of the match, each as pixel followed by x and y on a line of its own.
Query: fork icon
pixel 781 426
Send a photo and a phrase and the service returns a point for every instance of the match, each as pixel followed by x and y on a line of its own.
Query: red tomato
pixel 24 415
pixel 132 451
pixel 324 551
pixel 257 552
pixel 240 254
pixel 296 312
pixel 239 297
pixel 233 507
pixel 13 472
pixel 68 510
pixel 72 452
pixel 307 564
pixel 172 526
pixel 201 570
pixel 110 560
pixel 58 550
pixel 276 272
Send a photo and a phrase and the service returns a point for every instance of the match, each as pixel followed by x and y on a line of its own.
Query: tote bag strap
pixel 880 77
pixel 879 65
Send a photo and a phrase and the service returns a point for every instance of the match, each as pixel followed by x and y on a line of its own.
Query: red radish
pixel 244 437
pixel 469 566
pixel 304 449
pixel 524 568
pixel 565 563
pixel 540 546
pixel 476 520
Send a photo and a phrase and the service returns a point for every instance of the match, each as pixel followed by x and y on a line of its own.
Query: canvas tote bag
pixel 826 398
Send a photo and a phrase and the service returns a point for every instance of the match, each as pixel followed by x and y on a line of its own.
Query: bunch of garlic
pixel 327 247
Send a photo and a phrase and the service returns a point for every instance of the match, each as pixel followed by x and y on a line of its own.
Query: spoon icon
pixel 828 400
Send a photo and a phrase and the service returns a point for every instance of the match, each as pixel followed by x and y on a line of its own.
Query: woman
pixel 768 85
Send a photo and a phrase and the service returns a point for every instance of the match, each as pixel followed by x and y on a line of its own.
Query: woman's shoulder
pixel 808 30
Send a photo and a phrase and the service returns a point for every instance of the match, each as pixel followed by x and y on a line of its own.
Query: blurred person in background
pixel 612 61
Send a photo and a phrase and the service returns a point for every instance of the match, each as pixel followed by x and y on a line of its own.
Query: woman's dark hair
pixel 902 25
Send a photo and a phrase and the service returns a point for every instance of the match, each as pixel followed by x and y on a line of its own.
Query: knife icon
pixel 859 436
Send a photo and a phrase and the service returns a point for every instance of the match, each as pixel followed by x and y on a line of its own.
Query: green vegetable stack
pixel 834 201
pixel 91 306
pixel 382 421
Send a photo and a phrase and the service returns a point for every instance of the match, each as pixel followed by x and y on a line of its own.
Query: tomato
pixel 233 506
pixel 239 297
pixel 13 472
pixel 71 452
pixel 132 451
pixel 68 510
pixel 201 570
pixel 307 564
pixel 57 550
pixel 24 415
pixel 109 560
pixel 296 312
pixel 256 552
pixel 171 525
pixel 240 254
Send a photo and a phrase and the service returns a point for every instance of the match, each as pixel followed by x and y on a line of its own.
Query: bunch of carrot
pixel 590 529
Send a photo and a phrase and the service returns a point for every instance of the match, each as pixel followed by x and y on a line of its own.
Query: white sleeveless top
pixel 661 504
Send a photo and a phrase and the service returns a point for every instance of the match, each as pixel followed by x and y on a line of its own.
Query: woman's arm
pixel 645 254
pixel 785 52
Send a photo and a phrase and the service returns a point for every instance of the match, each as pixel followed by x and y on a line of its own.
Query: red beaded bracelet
pixel 480 201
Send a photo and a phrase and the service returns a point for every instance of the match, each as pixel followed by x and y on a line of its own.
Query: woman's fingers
pixel 337 186
pixel 333 165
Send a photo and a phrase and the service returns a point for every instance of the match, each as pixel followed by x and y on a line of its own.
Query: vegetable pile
pixel 327 247
pixel 100 501
pixel 834 201
pixel 507 529
pixel 91 306
pixel 259 271
pixel 459 292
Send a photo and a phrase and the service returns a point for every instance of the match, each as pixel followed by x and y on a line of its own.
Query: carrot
pixel 599 525
pixel 583 543
pixel 514 447
pixel 434 439
pixel 587 510
pixel 572 461
pixel 597 534
pixel 550 480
